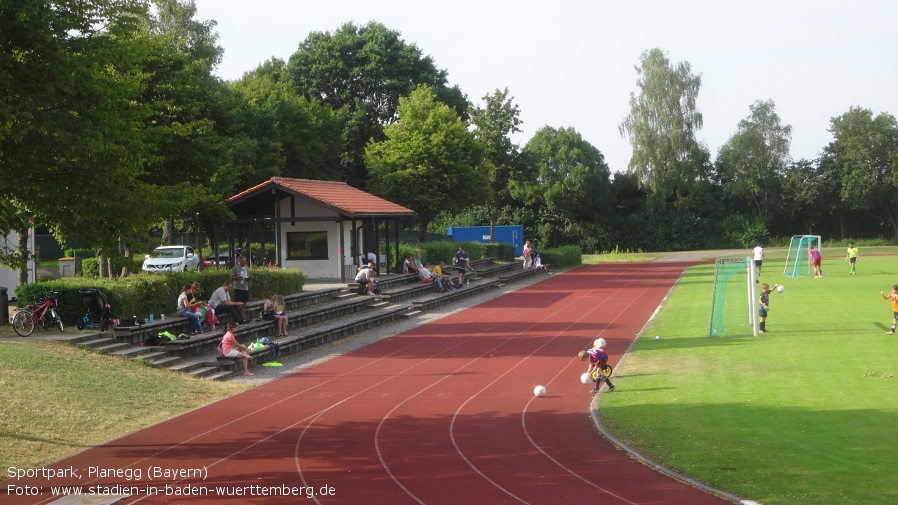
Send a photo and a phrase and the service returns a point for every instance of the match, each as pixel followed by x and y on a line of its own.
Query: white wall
pixel 9 278
pixel 316 269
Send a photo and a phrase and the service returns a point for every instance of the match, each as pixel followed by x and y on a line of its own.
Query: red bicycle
pixel 24 320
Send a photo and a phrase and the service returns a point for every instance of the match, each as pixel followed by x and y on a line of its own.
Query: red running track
pixel 441 414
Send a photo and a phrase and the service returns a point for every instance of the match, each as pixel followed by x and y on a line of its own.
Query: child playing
pixel 852 256
pixel 764 300
pixel 598 358
pixel 894 297
pixel 816 260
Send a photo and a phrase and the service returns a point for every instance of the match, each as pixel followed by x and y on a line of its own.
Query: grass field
pixel 59 400
pixel 804 414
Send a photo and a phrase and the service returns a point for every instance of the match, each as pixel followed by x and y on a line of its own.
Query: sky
pixel 570 63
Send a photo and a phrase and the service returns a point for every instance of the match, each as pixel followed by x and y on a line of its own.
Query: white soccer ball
pixel 585 378
pixel 781 289
pixel 599 343
pixel 539 391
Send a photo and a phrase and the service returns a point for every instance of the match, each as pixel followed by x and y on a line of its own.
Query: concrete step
pixel 411 313
pixel 203 372
pixel 166 362
pixel 95 342
pixel 220 375
pixel 186 365
pixel 112 347
pixel 150 357
pixel 134 351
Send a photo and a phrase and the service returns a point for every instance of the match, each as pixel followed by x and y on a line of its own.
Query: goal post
pixel 797 258
pixel 730 312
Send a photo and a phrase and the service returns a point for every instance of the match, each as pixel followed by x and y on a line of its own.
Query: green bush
pixel 562 257
pixel 157 293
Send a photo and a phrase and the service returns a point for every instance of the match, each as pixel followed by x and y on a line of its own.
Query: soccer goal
pixel 797 260
pixel 730 312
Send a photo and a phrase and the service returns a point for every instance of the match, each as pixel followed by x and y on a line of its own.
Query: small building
pixel 322 227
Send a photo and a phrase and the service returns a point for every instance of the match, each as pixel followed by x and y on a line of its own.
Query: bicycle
pixel 25 319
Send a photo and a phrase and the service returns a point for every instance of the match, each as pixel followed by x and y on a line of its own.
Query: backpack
pixel 154 340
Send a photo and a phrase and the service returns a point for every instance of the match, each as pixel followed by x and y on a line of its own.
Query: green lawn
pixel 59 400
pixel 804 414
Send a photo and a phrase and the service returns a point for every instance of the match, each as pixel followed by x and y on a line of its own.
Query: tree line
pixel 114 125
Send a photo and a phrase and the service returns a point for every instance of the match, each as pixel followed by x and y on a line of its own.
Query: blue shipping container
pixel 512 234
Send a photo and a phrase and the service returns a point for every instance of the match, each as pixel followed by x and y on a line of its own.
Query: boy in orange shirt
pixel 894 297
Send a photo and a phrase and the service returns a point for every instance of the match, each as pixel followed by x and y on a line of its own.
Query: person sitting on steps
pixel 231 348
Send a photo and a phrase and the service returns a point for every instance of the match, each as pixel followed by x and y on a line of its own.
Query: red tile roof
pixel 337 195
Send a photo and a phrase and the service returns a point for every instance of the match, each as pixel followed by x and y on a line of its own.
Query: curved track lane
pixel 441 414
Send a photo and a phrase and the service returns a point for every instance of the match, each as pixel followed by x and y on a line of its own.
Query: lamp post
pixel 199 246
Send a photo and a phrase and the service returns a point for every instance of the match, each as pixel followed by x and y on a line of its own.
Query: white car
pixel 171 258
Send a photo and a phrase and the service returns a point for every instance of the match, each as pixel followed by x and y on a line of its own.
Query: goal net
pixel 734 304
pixel 797 259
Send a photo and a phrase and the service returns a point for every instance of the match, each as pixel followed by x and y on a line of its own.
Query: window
pixel 307 245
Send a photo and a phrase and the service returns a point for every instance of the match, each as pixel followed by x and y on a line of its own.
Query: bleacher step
pixel 220 375
pixel 166 362
pixel 411 313
pixel 203 372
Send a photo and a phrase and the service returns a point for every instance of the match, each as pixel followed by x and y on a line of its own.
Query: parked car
pixel 224 258
pixel 171 258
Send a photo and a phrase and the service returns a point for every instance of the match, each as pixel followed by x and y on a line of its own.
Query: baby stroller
pixel 97 316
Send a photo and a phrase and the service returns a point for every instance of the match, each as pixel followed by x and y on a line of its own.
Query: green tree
pixel 572 189
pixel 865 153
pixel 189 167
pixel 70 141
pixel 361 71
pixel 810 192
pixel 662 125
pixel 429 162
pixel 755 158
pixel 495 122
pixel 282 133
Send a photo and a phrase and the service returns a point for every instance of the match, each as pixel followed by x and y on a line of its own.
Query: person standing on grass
pixel 758 252
pixel 231 348
pixel 894 297
pixel 597 358
pixel 852 256
pixel 763 305
pixel 816 260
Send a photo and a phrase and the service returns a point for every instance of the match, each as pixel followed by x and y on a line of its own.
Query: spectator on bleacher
pixel 444 279
pixel 185 309
pixel 231 348
pixel 221 301
pixel 418 262
pixel 428 277
pixel 275 306
pixel 538 264
pixel 365 280
pixel 408 266
pixel 206 312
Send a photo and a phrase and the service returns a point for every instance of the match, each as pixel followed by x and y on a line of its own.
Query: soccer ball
pixel 781 289
pixel 599 343
pixel 585 378
pixel 539 391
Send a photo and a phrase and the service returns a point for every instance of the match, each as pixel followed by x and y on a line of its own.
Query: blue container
pixel 510 234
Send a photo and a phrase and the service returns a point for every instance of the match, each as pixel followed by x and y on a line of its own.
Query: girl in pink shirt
pixel 231 348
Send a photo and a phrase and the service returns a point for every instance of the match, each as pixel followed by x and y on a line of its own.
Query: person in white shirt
pixel 538 264
pixel 759 258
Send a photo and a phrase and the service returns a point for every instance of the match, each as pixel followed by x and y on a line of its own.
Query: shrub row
pixel 151 293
